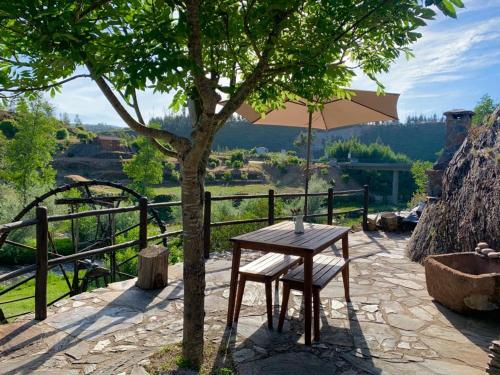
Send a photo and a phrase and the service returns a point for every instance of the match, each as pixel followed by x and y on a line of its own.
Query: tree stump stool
pixel 152 268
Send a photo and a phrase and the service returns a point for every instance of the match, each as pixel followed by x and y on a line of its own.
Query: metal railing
pixel 41 222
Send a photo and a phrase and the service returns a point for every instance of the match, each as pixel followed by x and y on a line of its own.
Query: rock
pixel 405 283
pixel 486 251
pixel 301 363
pixel 370 308
pixel 478 250
pixel 337 304
pixel 494 255
pixel 404 345
pixel 88 369
pixel 404 322
pixel 482 245
pixel 243 355
pixel 100 346
pixel 138 370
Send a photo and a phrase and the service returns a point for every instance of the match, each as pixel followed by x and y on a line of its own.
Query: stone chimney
pixel 458 122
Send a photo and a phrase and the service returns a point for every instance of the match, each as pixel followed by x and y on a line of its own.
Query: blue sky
pixel 456 62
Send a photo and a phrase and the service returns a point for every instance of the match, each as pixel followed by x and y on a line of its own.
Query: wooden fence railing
pixel 41 222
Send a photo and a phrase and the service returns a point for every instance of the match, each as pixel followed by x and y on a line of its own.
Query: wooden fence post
pixel 365 207
pixel 270 209
pixel 207 218
pixel 143 223
pixel 329 218
pixel 42 257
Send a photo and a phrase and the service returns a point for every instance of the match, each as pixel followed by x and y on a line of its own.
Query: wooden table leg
pixel 345 270
pixel 308 266
pixel 233 283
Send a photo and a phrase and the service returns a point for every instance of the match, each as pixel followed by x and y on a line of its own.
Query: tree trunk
pixel 152 268
pixel 192 184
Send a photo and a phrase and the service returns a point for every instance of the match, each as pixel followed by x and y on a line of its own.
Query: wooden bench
pixel 265 270
pixel 325 268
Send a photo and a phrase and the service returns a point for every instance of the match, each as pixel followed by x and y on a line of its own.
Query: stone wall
pixel 458 123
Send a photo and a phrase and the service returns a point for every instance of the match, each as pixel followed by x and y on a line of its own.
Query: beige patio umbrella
pixel 363 107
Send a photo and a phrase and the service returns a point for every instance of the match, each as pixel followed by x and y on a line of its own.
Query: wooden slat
pixel 325 268
pixel 269 265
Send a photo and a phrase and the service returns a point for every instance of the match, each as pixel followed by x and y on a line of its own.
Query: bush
pixel 237 164
pixel 380 181
pixel 419 175
pixel 237 156
pixel 165 213
pixel 213 162
pixel 372 153
pixel 62 134
pixel 227 176
pixel 8 128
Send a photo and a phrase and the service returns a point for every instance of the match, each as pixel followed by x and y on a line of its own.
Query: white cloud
pixel 442 56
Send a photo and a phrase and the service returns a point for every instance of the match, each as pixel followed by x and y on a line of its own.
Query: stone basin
pixel 464 282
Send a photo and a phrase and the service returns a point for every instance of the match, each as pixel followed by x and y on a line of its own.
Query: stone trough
pixel 464 282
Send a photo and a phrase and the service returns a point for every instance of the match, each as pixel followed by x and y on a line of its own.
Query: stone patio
pixel 392 325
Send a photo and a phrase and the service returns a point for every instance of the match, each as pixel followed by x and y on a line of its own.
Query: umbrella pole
pixel 308 161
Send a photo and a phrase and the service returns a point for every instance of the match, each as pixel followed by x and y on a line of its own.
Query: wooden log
pixel 153 268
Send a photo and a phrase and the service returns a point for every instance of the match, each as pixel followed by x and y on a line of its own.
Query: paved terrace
pixel 391 327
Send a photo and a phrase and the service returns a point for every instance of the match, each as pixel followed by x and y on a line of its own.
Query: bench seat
pixel 265 269
pixel 325 268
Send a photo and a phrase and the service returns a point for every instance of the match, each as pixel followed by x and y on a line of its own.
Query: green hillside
pixel 419 141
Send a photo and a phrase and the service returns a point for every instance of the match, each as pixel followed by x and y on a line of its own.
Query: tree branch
pixel 91 8
pixel 253 79
pixel 202 83
pixel 45 87
pixel 181 144
pixel 164 150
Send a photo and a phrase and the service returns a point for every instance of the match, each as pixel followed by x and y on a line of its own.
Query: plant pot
pixel 464 282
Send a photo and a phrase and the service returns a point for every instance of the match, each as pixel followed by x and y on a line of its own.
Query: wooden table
pixel 281 238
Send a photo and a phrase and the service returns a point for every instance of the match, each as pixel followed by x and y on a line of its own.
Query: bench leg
pixel 345 270
pixel 239 297
pixel 345 280
pixel 284 305
pixel 316 308
pixel 269 304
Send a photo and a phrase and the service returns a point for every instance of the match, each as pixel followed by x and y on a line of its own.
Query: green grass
pixel 56 287
pixel 217 190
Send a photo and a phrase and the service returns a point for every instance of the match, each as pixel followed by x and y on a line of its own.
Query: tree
pixel 77 121
pixel 258 51
pixel 145 168
pixel 29 154
pixel 301 141
pixel 483 108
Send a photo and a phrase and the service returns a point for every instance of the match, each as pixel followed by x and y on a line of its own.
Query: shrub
pixel 372 153
pixel 237 164
pixel 419 175
pixel 213 162
pixel 8 128
pixel 227 176
pixel 165 213
pixel 62 134
pixel 237 156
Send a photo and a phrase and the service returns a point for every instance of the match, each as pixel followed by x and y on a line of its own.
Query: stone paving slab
pixel 392 326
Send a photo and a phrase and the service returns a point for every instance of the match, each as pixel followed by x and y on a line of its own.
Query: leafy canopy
pixel 146 168
pixel 29 154
pixel 254 49
pixel 483 108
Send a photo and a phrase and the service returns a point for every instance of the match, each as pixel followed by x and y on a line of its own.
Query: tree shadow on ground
pixel 259 350
pixel 125 309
